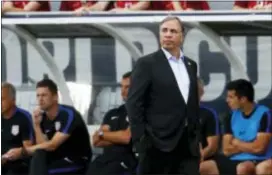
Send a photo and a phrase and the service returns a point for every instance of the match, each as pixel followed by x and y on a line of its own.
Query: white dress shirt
pixel 180 72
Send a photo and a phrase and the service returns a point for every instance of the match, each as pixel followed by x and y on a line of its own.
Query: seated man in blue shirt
pixel 247 143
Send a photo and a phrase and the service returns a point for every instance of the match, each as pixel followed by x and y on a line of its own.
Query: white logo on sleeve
pixel 57 126
pixel 15 130
pixel 114 117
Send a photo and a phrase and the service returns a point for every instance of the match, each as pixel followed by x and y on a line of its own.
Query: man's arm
pixel 39 135
pixel 142 5
pixel 112 137
pixel 31 6
pixel 140 82
pixel 67 127
pixel 240 5
pixel 260 144
pixel 98 6
pixel 50 145
pixel 118 137
pixel 37 118
pixel 177 6
pixel 212 146
pixel 228 148
pixel 211 133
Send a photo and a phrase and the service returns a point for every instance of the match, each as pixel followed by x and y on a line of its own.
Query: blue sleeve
pixel 66 120
pixel 27 126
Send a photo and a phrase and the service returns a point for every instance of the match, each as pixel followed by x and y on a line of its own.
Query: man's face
pixel 7 102
pixel 125 83
pixel 171 35
pixel 233 100
pixel 45 98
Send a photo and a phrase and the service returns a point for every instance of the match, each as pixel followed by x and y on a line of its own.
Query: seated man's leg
pixel 208 167
pixel 107 167
pixel 38 163
pixel 16 167
pixel 245 168
pixel 224 165
pixel 43 163
pixel 264 167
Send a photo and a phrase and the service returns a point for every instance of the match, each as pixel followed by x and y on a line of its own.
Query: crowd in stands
pixel 120 5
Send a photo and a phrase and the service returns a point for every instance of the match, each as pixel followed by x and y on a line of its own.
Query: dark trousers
pixel 101 166
pixel 18 167
pixel 179 161
pixel 42 163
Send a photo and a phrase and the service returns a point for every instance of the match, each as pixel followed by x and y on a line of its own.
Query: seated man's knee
pixel 264 167
pixel 207 167
pixel 245 168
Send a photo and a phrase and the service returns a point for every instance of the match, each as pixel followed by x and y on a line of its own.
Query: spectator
pixel 16 129
pixel 114 136
pixel 120 5
pixel 98 6
pixel 75 5
pixel 209 127
pixel 180 5
pixel 25 6
pixel 257 5
pixel 247 143
pixel 61 135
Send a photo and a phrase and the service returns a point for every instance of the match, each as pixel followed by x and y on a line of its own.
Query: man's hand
pixel 81 10
pixel 37 116
pixel 235 142
pixel 13 154
pixel 96 138
pixel 4 160
pixel 105 128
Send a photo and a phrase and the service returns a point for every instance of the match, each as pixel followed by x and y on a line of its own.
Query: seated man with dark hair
pixel 115 137
pixel 62 139
pixel 247 143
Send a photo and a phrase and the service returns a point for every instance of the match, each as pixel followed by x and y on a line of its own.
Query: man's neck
pixel 175 53
pixel 9 113
pixel 52 112
pixel 248 108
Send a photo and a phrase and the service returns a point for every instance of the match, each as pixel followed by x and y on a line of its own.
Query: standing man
pixel 16 133
pixel 63 144
pixel 163 106
pixel 115 137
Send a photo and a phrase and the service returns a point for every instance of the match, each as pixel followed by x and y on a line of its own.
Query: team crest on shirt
pixel 57 126
pixel 15 130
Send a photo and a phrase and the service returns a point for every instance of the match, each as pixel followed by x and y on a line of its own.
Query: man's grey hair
pixel 11 89
pixel 171 18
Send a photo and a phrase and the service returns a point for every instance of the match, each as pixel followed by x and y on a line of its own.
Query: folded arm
pixel 260 144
